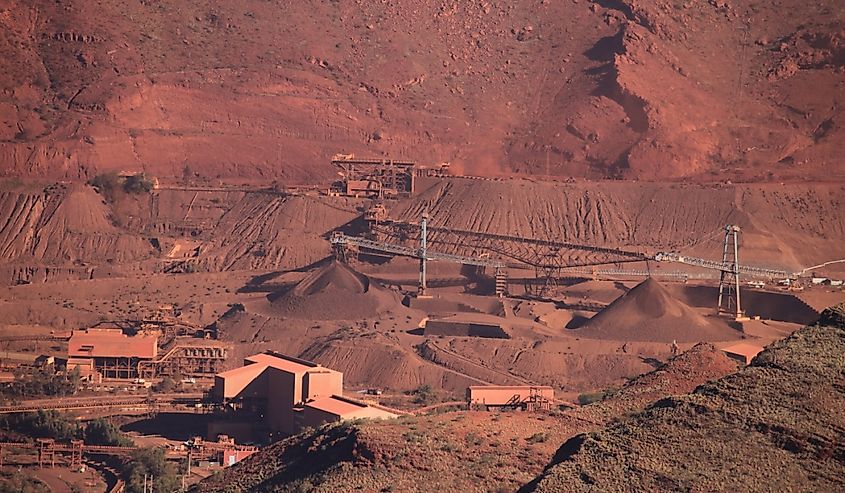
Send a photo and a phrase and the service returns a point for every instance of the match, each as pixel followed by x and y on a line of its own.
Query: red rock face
pixel 706 91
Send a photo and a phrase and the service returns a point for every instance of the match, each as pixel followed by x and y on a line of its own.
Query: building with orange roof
pixel 742 352
pixel 337 408
pixel 111 343
pixel 273 384
pixel 110 352
pixel 289 393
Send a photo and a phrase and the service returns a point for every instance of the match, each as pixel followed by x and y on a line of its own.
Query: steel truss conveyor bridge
pixel 549 258
pixel 542 254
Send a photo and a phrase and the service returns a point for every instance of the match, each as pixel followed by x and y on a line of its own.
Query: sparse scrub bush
pixel 486 459
pixel 424 395
pixel 447 409
pixel 137 184
pixel 110 184
pixel 19 482
pixel 449 447
pixel 414 436
pixel 591 397
pixel 106 184
pixel 350 424
pixel 474 438
pixel 539 437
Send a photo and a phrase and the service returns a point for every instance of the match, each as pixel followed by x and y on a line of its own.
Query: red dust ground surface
pixel 465 451
pixel 708 91
pixel 621 124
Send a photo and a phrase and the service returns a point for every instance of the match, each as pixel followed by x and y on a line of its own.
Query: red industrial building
pixel 290 393
pixel 526 397
pixel 110 352
pixel 338 408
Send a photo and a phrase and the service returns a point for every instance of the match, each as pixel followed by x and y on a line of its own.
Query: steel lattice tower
pixel 729 297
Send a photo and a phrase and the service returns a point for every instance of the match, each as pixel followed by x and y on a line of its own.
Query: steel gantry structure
pixel 341 243
pixel 729 268
pixel 544 254
pixel 374 178
pixel 548 257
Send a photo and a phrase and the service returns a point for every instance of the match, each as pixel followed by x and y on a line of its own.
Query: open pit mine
pixel 413 246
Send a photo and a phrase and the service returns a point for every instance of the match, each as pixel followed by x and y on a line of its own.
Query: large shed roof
pixel 111 343
pixel 336 405
pixel 282 362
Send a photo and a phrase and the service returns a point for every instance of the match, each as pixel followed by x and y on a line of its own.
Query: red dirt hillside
pixel 777 425
pixel 261 90
pixel 453 451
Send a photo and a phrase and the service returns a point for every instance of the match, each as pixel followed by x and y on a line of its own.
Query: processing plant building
pixel 110 352
pixel 290 393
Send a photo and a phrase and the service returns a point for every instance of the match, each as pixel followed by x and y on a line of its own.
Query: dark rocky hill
pixel 777 425
pixel 452 451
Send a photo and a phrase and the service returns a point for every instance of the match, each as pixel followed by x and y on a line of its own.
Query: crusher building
pixel 289 393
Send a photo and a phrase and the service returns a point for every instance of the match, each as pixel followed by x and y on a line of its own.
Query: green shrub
pixel 43 424
pixel 42 382
pixel 539 437
pixel 103 432
pixel 591 397
pixel 424 395
pixel 137 184
pixel 151 462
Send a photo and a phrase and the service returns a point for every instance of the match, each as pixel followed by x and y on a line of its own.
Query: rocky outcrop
pixel 778 424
